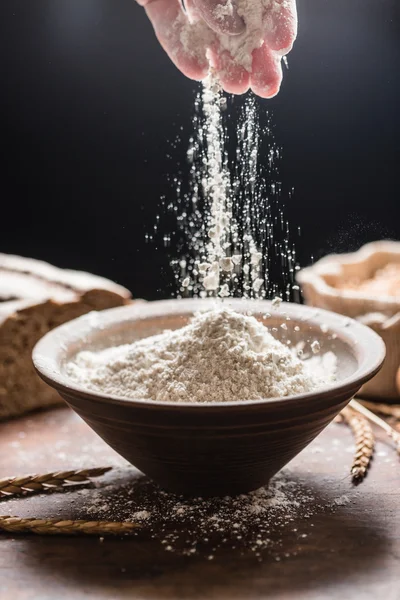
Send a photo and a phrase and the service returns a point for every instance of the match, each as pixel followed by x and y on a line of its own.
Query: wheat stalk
pixel 392 433
pixel 364 440
pixel 16 486
pixel 388 410
pixel 57 527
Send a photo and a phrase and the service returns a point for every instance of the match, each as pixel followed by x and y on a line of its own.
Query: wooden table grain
pixel 352 552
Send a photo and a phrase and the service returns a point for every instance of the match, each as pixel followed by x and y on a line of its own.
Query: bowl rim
pixel 49 350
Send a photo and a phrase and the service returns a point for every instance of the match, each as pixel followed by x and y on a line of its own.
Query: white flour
pixel 273 521
pixel 231 232
pixel 220 356
pixel 216 188
pixel 225 252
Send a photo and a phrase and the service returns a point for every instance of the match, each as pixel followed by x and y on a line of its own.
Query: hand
pixel 198 38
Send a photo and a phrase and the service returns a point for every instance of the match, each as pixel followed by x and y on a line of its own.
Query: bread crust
pixel 35 297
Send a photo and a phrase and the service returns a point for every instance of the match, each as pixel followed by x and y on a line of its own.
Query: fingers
pixel 280 34
pixel 193 55
pixel 221 16
pixel 233 78
pixel 169 21
pixel 281 26
pixel 266 76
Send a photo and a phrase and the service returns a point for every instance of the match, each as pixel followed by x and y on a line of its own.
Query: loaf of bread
pixel 34 298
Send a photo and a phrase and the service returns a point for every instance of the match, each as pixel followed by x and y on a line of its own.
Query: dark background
pixel 90 105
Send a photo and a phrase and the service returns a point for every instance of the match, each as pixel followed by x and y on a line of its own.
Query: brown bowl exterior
pixel 210 453
pixel 208 449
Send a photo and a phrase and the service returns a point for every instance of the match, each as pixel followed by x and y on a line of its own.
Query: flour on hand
pixel 261 19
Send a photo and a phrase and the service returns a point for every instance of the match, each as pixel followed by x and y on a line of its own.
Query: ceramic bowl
pixel 216 448
pixel 321 288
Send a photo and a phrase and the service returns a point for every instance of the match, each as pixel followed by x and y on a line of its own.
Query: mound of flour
pixel 219 356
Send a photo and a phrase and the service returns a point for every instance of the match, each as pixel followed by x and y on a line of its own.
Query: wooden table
pixel 351 552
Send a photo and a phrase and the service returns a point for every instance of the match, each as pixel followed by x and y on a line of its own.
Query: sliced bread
pixel 34 298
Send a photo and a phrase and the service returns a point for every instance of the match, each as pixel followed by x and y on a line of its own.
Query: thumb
pixel 221 16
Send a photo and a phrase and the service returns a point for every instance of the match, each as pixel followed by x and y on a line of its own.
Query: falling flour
pixel 228 255
pixel 220 356
pixel 231 234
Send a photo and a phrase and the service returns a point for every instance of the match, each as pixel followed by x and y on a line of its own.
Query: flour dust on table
pixel 254 523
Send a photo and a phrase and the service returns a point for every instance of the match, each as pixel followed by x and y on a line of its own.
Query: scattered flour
pixel 341 500
pixel 254 523
pixel 315 347
pixel 220 356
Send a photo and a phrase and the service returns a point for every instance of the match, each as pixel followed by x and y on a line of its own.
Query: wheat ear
pixel 16 486
pixel 57 527
pixel 392 433
pixel 364 440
